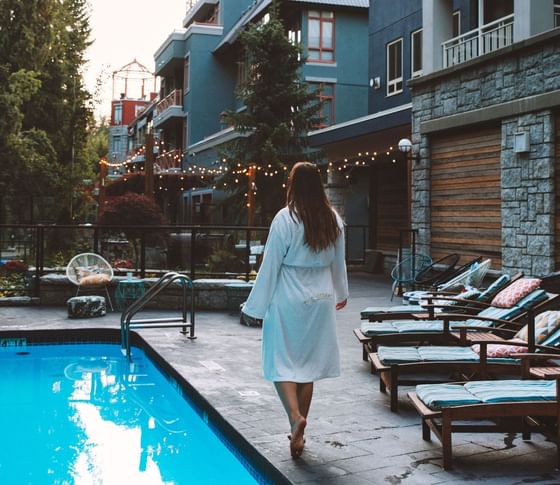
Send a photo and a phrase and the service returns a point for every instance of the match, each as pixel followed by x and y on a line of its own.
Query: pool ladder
pixel 185 321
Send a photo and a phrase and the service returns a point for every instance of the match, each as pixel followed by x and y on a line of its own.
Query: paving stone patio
pixel 352 437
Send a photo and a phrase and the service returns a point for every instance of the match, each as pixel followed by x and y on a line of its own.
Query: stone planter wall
pixel 210 294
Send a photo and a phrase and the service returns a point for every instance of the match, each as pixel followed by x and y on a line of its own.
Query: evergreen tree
pixel 280 110
pixel 45 106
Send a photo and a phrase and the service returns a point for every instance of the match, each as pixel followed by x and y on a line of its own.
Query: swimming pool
pixel 81 413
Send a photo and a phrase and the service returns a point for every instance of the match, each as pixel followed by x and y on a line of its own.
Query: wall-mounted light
pixel 405 146
pixel 375 82
pixel 521 142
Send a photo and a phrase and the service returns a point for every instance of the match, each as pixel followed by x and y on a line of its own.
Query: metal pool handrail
pixel 128 323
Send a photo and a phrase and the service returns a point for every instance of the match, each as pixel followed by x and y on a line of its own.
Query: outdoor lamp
pixel 405 146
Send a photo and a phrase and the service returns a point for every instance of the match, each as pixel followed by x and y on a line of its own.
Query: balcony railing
pixel 168 160
pixel 488 38
pixel 174 98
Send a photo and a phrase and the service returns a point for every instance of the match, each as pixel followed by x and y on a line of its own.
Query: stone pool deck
pixel 352 437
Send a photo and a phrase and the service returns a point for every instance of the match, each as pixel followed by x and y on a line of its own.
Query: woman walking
pixel 301 281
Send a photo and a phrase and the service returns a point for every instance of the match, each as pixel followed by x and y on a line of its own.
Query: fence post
pixel 143 254
pixel 247 254
pixel 39 238
pixel 96 240
pixel 193 252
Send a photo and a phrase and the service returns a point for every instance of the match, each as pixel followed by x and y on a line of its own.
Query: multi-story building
pixel 201 65
pixel 475 86
pixel 132 99
pixel 486 133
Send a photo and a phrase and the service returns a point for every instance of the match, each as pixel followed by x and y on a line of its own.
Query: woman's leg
pixel 304 396
pixel 288 393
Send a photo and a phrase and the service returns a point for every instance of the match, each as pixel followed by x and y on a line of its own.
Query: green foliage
pixel 280 110
pixel 45 106
pixel 130 210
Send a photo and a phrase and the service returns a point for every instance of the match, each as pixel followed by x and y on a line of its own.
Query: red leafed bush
pixel 123 264
pixel 15 266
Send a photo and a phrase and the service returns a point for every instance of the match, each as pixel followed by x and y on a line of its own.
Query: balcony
pixel 477 42
pixel 168 161
pixel 169 107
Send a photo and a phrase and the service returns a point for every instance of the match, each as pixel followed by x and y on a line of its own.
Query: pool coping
pixel 244 451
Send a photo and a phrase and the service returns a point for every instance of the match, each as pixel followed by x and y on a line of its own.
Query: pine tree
pixel 280 110
pixel 45 106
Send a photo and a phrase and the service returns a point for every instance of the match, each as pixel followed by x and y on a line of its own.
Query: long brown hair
pixel 308 203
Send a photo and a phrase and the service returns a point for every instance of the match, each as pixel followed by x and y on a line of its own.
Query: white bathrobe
pixel 295 294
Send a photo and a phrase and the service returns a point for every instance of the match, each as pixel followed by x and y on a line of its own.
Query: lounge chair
pixel 441 406
pixel 488 354
pixel 427 324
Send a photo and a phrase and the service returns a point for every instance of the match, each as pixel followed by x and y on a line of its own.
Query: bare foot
pixel 297 442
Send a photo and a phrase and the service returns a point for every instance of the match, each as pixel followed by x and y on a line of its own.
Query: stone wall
pixel 518 88
pixel 210 294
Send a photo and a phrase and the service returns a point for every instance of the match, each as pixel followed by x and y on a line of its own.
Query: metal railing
pixel 477 42
pixel 174 98
pixel 184 321
pixel 200 251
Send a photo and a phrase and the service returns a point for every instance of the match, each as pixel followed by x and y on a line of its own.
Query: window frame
pixel 187 74
pixel 396 85
pixel 457 23
pixel 321 97
pixel 320 49
pixel 418 72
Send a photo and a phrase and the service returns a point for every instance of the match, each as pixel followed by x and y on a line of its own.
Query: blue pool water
pixel 81 413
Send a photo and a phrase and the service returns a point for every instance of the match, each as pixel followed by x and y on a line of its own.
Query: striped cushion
pixel 496 286
pixel 414 326
pixel 437 396
pixel 398 355
pixel 377 328
pixel 435 353
pixel 512 390
pixel 372 311
pixel 546 323
pixel 491 312
pixel 532 299
pixel 514 292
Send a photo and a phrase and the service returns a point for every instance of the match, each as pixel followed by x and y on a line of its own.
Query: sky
pixel 123 30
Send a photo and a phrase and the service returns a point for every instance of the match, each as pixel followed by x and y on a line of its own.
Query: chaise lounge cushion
pixel 438 396
pixel 431 353
pixel 515 292
pixel 494 288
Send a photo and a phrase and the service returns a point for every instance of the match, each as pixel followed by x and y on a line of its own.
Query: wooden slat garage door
pixel 392 201
pixel 557 189
pixel 466 195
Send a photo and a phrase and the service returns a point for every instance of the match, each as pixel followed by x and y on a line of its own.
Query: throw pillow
pixel 502 350
pixel 509 296
pixel 546 323
pixel 95 280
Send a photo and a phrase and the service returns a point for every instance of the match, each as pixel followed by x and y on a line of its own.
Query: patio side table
pixel 128 291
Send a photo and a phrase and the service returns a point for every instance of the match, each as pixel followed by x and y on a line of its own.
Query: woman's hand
pixel 341 305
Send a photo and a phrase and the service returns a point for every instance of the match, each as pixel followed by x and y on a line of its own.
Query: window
pixel 117 114
pixel 187 79
pixel 416 53
pixel 556 13
pixel 320 45
pixel 394 68
pixel 325 97
pixel 456 24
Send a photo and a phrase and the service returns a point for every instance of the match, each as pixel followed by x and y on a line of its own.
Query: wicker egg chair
pixel 90 273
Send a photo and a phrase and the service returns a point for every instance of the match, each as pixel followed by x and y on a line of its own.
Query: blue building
pixel 201 65
pixel 424 67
